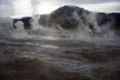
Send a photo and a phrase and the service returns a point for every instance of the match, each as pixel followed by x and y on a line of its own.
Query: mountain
pixel 26 22
pixel 73 17
pixel 64 16
pixel 116 17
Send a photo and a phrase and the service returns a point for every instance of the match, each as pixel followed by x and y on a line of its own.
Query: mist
pixel 59 40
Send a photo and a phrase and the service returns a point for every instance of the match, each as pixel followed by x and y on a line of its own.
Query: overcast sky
pixel 19 8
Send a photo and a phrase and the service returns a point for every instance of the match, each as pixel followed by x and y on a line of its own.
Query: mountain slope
pixel 73 17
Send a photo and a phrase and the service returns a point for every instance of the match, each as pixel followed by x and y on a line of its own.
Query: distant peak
pixel 71 6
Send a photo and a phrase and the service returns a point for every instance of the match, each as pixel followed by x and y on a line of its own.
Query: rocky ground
pixel 58 60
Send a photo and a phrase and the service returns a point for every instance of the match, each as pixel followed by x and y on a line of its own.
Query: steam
pixel 7 30
pixel 5 27
pixel 20 32
pixel 34 5
pixel 88 29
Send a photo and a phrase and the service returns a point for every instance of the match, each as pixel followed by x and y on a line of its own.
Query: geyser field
pixel 70 43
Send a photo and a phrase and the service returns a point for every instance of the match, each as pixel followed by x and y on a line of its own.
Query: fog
pixel 80 45
pixel 83 32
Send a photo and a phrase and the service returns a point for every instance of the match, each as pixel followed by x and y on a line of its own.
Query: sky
pixel 20 8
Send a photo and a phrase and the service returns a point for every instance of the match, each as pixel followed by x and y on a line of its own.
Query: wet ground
pixel 30 59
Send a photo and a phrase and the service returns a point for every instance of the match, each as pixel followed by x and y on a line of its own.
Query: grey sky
pixel 29 7
pixel 6 8
pixel 88 1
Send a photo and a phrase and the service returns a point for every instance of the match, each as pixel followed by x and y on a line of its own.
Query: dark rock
pixel 116 17
pixel 26 21
pixel 102 18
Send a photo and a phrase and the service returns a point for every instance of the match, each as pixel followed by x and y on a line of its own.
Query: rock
pixel 26 21
pixel 116 17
